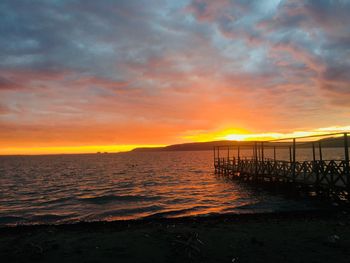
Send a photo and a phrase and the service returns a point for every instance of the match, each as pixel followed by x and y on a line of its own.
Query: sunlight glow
pixel 243 135
pixel 231 134
pixel 203 136
pixel 72 149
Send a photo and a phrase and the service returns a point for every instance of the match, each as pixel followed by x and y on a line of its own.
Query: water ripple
pixel 69 188
pixel 114 198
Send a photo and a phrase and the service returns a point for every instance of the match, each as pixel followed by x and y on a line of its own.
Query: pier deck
pixel 299 161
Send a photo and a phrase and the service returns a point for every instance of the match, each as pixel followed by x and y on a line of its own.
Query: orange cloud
pixel 73 113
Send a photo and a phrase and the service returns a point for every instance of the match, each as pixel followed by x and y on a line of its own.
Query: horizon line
pixel 150 146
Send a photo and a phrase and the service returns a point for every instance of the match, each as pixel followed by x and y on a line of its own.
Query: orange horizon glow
pixel 72 149
pixel 242 135
pixel 225 134
pixel 184 75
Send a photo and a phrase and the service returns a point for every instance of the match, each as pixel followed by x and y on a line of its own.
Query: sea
pixel 60 189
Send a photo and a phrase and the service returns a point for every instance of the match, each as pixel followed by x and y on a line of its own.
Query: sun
pixel 236 137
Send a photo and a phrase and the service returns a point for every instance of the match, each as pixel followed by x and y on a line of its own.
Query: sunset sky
pixel 87 76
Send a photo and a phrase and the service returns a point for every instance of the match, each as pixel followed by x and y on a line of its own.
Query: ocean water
pixel 70 188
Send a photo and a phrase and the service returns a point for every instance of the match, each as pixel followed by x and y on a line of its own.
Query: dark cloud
pixel 6 84
pixel 4 110
pixel 84 36
pixel 162 61
pixel 337 73
pixel 312 35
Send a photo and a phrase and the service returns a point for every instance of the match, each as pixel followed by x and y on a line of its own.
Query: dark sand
pixel 287 237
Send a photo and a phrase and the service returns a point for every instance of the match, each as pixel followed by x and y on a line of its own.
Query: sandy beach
pixel 318 236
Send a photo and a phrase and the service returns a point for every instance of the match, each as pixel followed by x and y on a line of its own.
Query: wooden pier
pixel 295 161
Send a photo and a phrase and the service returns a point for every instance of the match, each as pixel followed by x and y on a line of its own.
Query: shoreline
pixel 304 236
pixel 237 217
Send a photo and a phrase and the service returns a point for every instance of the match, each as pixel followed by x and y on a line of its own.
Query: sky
pixel 86 75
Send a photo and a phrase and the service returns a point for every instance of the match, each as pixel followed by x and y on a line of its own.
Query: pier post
pixel 347 168
pixel 238 153
pixel 320 150
pixel 263 168
pixel 274 162
pixel 320 166
pixel 228 161
pixel 290 154
pixel 214 159
pixel 219 163
pixel 294 162
pixel 315 167
pixel 256 160
pixel 228 157
pixel 320 163
pixel 238 159
pixel 288 172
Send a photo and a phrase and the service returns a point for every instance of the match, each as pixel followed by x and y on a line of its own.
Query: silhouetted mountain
pixel 206 146
pixel 334 142
pixel 201 146
pixel 195 146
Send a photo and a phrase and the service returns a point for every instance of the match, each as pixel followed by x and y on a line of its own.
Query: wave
pixel 8 220
pixel 180 200
pixel 119 173
pixel 56 201
pixel 113 198
pixel 134 212
pixel 35 219
pixel 48 217
pixel 253 207
pixel 197 171
pixel 178 212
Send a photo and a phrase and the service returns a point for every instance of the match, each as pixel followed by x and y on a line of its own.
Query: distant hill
pixel 206 146
pixel 198 146
pixel 195 146
pixel 334 142
pixel 330 142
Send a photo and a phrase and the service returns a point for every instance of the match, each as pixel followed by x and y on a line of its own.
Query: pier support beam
pixel 347 168
pixel 293 161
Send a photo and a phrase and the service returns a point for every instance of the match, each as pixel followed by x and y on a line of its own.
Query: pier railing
pixel 319 161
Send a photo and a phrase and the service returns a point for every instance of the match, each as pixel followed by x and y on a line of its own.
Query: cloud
pixel 4 110
pixel 6 84
pixel 307 35
pixel 172 66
